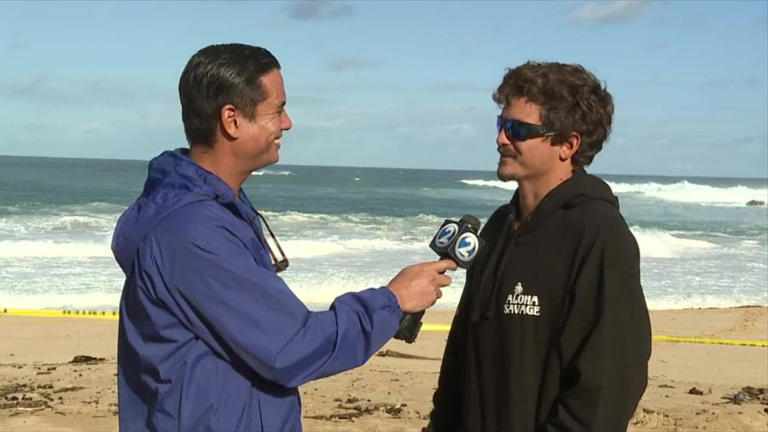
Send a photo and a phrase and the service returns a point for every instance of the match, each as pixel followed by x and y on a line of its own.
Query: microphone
pixel 454 240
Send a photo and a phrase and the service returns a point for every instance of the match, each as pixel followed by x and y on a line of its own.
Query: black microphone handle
pixel 410 324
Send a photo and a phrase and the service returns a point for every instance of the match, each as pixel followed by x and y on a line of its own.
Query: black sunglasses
pixel 280 264
pixel 516 130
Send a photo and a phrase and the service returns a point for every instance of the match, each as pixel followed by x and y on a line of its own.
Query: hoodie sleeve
pixel 248 315
pixel 605 341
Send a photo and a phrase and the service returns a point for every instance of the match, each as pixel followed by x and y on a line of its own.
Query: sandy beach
pixel 691 386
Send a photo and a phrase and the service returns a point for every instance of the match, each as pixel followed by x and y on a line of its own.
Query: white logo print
pixel 446 234
pixel 466 247
pixel 518 303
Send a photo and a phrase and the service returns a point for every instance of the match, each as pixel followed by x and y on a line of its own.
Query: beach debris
pixel 360 409
pixel 666 386
pixel 748 394
pixel 21 397
pixel 84 359
pixel 68 389
pixel 695 391
pixel 7 390
pixel 26 405
pixel 395 410
pixel 397 354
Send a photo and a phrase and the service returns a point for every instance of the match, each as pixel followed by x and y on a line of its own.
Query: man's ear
pixel 229 121
pixel 569 147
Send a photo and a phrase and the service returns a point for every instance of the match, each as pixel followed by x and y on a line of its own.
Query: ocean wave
pixel 317 248
pixel 492 183
pixel 686 192
pixel 351 218
pixel 691 301
pixel 90 301
pixel 96 208
pixel 319 292
pixel 270 172
pixel 683 192
pixel 49 248
pixel 654 243
pixel 41 225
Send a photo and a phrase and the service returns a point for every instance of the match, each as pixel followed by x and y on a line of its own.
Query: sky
pixel 394 84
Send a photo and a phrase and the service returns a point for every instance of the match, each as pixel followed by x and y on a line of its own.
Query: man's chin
pixel 504 175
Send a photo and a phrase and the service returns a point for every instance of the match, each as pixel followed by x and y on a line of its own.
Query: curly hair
pixel 571 99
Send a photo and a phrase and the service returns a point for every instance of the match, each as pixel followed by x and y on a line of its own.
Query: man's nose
pixel 285 121
pixel 501 139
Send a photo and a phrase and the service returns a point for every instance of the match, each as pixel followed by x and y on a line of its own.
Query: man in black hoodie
pixel 552 331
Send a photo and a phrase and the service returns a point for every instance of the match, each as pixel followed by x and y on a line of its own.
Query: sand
pixel 41 390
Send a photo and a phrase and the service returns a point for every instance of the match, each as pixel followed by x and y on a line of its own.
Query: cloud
pixel 750 83
pixel 15 42
pixel 350 63
pixel 80 92
pixel 608 11
pixel 469 46
pixel 318 10
pixel 24 87
pixel 458 87
pixel 650 47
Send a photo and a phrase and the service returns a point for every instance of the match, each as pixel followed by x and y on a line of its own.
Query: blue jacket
pixel 210 337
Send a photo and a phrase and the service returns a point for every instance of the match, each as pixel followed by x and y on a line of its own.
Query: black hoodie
pixel 552 331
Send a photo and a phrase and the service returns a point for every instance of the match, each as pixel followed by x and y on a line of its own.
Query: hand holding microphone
pixel 417 287
pixel 457 244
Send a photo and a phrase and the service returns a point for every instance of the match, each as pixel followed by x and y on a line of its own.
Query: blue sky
pixel 394 84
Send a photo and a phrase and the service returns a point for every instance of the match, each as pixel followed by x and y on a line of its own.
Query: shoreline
pixel 390 392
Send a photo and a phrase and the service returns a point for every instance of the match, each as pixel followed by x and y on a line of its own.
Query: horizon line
pixel 390 168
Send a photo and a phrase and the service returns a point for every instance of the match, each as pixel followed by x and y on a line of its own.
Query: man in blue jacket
pixel 210 337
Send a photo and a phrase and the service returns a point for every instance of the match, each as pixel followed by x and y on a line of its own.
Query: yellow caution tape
pixel 658 338
pixel 435 327
pixel 66 313
pixel 430 327
pixel 742 342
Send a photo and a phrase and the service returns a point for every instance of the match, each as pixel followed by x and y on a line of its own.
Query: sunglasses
pixel 278 264
pixel 516 130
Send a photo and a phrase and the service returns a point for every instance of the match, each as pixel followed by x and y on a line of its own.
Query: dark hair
pixel 571 100
pixel 218 75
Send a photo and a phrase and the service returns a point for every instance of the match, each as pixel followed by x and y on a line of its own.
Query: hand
pixel 417 287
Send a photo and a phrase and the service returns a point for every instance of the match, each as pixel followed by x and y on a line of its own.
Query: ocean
pixel 346 229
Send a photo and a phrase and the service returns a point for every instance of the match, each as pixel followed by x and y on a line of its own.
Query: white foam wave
pixel 48 248
pixel 57 224
pixel 654 243
pixel 270 172
pixel 319 292
pixel 315 248
pixel 353 218
pixel 686 192
pixel 492 183
pixel 690 301
pixel 92 300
